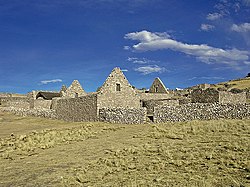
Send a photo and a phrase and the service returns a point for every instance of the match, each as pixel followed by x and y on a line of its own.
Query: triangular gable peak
pixel 74 90
pixel 116 82
pixel 158 87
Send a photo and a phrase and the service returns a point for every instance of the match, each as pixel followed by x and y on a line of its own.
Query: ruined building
pixel 117 101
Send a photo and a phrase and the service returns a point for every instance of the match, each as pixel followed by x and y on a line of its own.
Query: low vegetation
pixel 242 84
pixel 42 152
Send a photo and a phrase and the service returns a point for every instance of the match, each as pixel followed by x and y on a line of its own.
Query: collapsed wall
pixel 77 109
pixel 123 115
pixel 201 111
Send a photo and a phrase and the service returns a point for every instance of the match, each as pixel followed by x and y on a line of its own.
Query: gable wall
pixel 108 97
pixel 158 87
pixel 74 88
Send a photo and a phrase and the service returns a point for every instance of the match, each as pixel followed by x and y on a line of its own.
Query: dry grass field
pixel 243 83
pixel 42 152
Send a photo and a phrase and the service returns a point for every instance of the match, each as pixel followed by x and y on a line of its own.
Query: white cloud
pixel 154 41
pixel 207 78
pixel 140 60
pixel 51 81
pixel 207 27
pixel 214 16
pixel 124 70
pixel 244 27
pixel 247 62
pixel 150 69
pixel 126 47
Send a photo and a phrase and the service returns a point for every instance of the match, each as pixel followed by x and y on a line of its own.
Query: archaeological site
pixel 116 101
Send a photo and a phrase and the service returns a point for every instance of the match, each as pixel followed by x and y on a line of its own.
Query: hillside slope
pixel 243 83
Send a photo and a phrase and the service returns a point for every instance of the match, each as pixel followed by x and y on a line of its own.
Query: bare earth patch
pixel 41 152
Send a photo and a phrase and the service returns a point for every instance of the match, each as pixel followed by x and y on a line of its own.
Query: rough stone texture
pixel 211 95
pixel 205 96
pixel 77 109
pixel 117 92
pixel 201 111
pixel 54 103
pixel 158 87
pixel 123 115
pixel 41 103
pixel 18 102
pixel 228 97
pixel 150 104
pixel 74 90
pixel 44 113
pixel 154 96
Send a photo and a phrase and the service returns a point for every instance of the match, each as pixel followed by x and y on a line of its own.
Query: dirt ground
pixel 42 152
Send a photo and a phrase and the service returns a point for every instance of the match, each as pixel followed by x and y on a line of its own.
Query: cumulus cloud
pixel 207 27
pixel 124 70
pixel 149 41
pixel 214 16
pixel 51 81
pixel 244 27
pixel 150 69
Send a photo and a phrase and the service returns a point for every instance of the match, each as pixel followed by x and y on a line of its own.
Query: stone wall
pixel 205 96
pixel 158 87
pixel 18 102
pixel 44 113
pixel 123 115
pixel 154 96
pixel 41 103
pixel 117 92
pixel 77 109
pixel 201 111
pixel 150 104
pixel 228 97
pixel 74 90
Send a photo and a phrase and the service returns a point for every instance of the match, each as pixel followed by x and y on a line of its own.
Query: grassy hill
pixel 243 83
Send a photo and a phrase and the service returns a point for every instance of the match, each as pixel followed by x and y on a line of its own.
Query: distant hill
pixel 243 84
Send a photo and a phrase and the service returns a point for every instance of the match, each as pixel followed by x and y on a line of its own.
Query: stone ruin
pixel 117 101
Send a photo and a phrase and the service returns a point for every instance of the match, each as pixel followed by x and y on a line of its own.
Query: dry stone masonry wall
pixel 228 97
pixel 123 115
pixel 209 95
pixel 151 104
pixel 201 111
pixel 17 102
pixel 77 109
pixel 74 90
pixel 117 92
pixel 44 113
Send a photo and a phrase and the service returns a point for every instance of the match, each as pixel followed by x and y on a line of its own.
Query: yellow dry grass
pixel 43 152
pixel 239 84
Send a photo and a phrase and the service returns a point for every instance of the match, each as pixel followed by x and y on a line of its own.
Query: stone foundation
pixel 122 115
pixel 201 111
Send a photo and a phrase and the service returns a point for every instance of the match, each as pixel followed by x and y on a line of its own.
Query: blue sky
pixel 47 43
